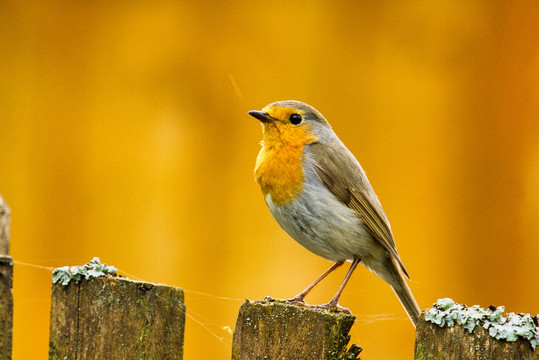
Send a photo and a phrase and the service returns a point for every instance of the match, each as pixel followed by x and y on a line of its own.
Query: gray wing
pixel 354 190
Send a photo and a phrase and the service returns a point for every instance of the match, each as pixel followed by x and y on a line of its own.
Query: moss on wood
pixel 275 330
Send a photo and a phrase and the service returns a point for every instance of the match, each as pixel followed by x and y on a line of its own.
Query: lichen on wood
pixel 454 331
pixel 116 318
pixel 275 330
pixel 95 268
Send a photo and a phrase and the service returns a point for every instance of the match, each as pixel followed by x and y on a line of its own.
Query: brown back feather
pixel 353 189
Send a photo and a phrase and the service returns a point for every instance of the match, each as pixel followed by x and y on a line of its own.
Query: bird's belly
pixel 321 223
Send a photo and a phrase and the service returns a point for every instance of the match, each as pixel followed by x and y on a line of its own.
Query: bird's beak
pixel 260 115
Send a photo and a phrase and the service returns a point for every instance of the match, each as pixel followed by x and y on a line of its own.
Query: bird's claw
pixel 295 301
pixel 298 301
pixel 332 307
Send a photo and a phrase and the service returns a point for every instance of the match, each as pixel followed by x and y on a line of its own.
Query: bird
pixel 320 195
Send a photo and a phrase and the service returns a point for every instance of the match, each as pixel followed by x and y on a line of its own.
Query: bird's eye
pixel 295 119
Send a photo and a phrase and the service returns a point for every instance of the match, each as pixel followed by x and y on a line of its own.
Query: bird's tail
pixel 401 288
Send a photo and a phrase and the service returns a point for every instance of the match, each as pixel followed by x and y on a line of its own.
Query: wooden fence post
pixel 6 284
pixel 443 333
pixel 106 317
pixel 275 330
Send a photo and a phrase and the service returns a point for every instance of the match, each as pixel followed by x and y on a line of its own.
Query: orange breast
pixel 279 166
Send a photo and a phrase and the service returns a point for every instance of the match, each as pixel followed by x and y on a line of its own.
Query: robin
pixel 319 194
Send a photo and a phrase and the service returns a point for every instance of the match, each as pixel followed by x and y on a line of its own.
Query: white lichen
pixel 510 327
pixel 64 275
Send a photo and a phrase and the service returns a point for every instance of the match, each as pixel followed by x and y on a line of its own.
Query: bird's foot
pixel 331 306
pixel 296 300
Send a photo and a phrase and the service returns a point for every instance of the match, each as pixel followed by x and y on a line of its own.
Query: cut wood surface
pixel 116 318
pixel 275 330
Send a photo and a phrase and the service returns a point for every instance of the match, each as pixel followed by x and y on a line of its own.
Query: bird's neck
pixel 279 165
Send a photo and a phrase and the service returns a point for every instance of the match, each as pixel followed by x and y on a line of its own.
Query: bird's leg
pixel 299 297
pixel 334 303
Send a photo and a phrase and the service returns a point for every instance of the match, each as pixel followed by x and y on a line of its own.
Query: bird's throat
pixel 279 165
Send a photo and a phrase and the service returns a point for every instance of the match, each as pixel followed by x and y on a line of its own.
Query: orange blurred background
pixel 124 134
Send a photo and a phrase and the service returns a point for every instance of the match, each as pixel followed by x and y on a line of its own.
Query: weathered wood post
pixel 275 330
pixel 95 315
pixel 453 331
pixel 6 284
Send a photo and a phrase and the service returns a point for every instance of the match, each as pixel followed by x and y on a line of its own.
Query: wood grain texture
pixel 6 306
pixel 456 343
pixel 6 284
pixel 116 318
pixel 273 330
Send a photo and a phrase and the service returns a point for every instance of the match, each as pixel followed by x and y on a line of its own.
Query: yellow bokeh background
pixel 124 134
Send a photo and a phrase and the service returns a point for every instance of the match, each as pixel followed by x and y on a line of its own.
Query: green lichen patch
pixel 64 275
pixel 510 326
